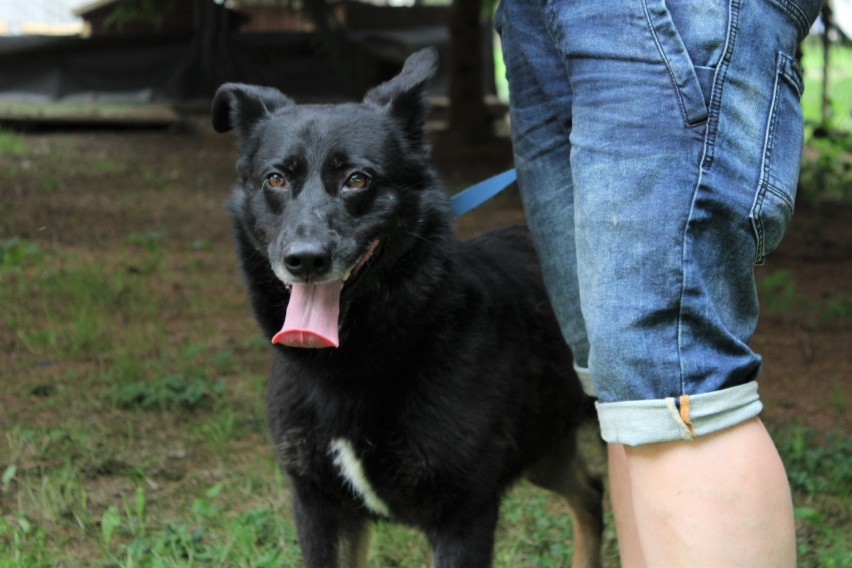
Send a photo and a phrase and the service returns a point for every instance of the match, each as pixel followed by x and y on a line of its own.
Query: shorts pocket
pixel 782 154
pixel 683 73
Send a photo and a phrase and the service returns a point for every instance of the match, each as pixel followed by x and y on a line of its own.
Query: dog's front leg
pixel 466 542
pixel 330 536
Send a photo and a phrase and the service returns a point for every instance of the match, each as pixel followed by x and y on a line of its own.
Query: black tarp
pixel 153 68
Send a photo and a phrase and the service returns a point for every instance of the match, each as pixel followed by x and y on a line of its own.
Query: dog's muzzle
pixel 313 312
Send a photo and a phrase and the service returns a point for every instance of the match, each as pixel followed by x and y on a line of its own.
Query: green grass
pixel 778 295
pixel 68 306
pixel 56 511
pixel 11 144
pixel 820 472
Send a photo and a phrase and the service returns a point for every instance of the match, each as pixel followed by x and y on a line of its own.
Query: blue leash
pixel 479 193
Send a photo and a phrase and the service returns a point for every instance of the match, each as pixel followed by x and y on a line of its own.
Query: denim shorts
pixel 657 145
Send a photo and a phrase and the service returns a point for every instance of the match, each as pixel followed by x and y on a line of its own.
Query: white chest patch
pixel 351 470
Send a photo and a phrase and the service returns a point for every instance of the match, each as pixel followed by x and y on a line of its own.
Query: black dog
pixel 415 376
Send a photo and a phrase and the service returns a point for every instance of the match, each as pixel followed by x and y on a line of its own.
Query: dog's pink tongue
pixel 312 314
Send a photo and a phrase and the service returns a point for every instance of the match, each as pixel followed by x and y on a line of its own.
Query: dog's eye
pixel 275 180
pixel 357 180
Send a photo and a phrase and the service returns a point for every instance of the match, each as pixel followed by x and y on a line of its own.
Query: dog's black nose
pixel 307 260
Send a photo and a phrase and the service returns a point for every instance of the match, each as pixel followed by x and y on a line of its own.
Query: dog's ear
pixel 240 107
pixel 404 95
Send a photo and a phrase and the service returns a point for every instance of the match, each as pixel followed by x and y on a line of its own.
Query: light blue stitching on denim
pixel 714 108
pixel 719 84
pixel 680 67
pixel 788 73
pixel 796 13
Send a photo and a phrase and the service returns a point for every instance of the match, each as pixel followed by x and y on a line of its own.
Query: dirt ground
pixel 806 346
pixel 807 371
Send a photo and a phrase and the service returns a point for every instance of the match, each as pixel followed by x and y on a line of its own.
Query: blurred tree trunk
pixel 828 23
pixel 469 119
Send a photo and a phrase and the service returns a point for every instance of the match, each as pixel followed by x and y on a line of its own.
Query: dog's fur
pixel 451 378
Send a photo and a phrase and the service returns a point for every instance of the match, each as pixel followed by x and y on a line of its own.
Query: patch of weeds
pixel 73 301
pixel 211 536
pixel 533 531
pixel 69 306
pixel 110 521
pixel 56 496
pixel 106 166
pixel 157 180
pixel 7 217
pixel 16 252
pixel 176 544
pixel 223 359
pixel 81 451
pixel 136 513
pixel 133 522
pixel 172 391
pixel 259 530
pixel 200 358
pixel 816 464
pixel 85 446
pixel 778 292
pixel 219 430
pixel 838 395
pixel 179 376
pixel 827 177
pixel 124 367
pixel 151 242
pixel 22 543
pixel 820 472
pixel 148 240
pixel 252 351
pixel 201 244
pixel 835 309
pixel 204 507
pixel 24 443
pixel 193 351
pixel 11 144
pixel 826 547
pixel 50 185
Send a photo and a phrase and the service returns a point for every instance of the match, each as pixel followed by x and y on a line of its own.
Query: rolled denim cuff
pixel 585 377
pixel 683 418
